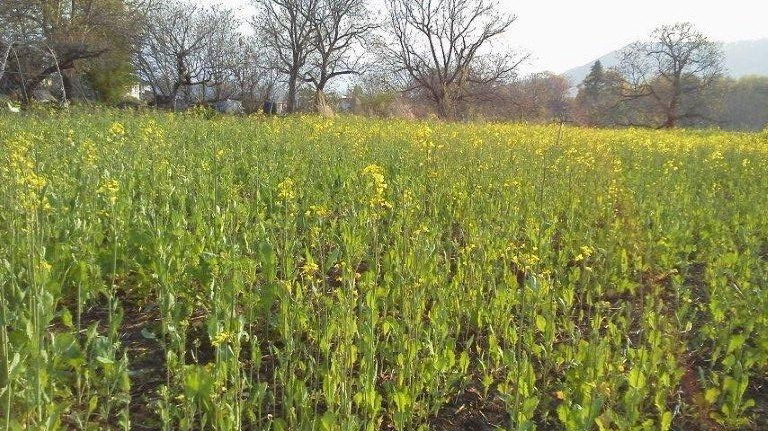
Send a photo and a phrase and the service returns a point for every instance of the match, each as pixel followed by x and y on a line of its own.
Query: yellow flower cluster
pixel 586 252
pixel 310 268
pixel 20 167
pixel 117 129
pixel 317 210
pixel 286 190
pixel 378 186
pixel 525 260
pixel 109 190
pixel 152 133
pixel 716 156
pixel 88 153
pixel 222 338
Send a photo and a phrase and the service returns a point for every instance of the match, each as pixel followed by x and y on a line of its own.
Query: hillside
pixel 742 58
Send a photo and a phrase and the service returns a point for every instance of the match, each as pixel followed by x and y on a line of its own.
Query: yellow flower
pixel 286 190
pixel 110 189
pixel 19 165
pixel 117 129
pixel 310 268
pixel 377 185
pixel 222 337
pixel 318 210
pixel 88 149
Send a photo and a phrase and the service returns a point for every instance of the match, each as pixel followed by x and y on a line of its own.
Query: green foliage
pixel 111 79
pixel 184 272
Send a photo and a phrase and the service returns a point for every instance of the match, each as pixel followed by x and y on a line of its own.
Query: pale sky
pixel 564 34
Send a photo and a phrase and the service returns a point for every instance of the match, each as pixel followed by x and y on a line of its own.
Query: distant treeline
pixel 416 59
pixel 733 104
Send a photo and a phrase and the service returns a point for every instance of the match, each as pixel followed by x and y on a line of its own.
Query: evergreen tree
pixel 594 82
pixel 595 100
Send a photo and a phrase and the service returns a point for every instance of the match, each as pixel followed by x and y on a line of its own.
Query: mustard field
pixel 179 272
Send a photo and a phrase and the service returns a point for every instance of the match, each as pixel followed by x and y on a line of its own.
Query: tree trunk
pixel 67 86
pixel 445 107
pixel 171 102
pixel 321 104
pixel 29 88
pixel 290 103
pixel 319 100
pixel 30 85
pixel 4 59
pixel 672 119
pixel 671 122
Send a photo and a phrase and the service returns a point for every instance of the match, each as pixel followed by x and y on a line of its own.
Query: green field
pixel 177 272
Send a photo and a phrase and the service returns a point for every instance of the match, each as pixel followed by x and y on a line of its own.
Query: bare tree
pixel 285 27
pixel 339 29
pixel 671 70
pixel 441 47
pixel 186 45
pixel 47 37
pixel 540 97
pixel 7 46
pixel 254 78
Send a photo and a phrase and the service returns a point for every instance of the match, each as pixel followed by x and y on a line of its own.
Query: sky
pixel 560 35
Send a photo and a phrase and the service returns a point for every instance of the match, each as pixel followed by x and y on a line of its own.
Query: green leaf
pixel 13 367
pixel 149 335
pixel 666 421
pixel 402 400
pixel 105 360
pixel 66 318
pixel 463 362
pixel 268 260
pixel 736 342
pixel 530 404
pixel 93 403
pixel 636 378
pixel 711 394
pixel 327 422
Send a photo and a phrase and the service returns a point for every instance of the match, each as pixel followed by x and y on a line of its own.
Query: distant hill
pixel 748 57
